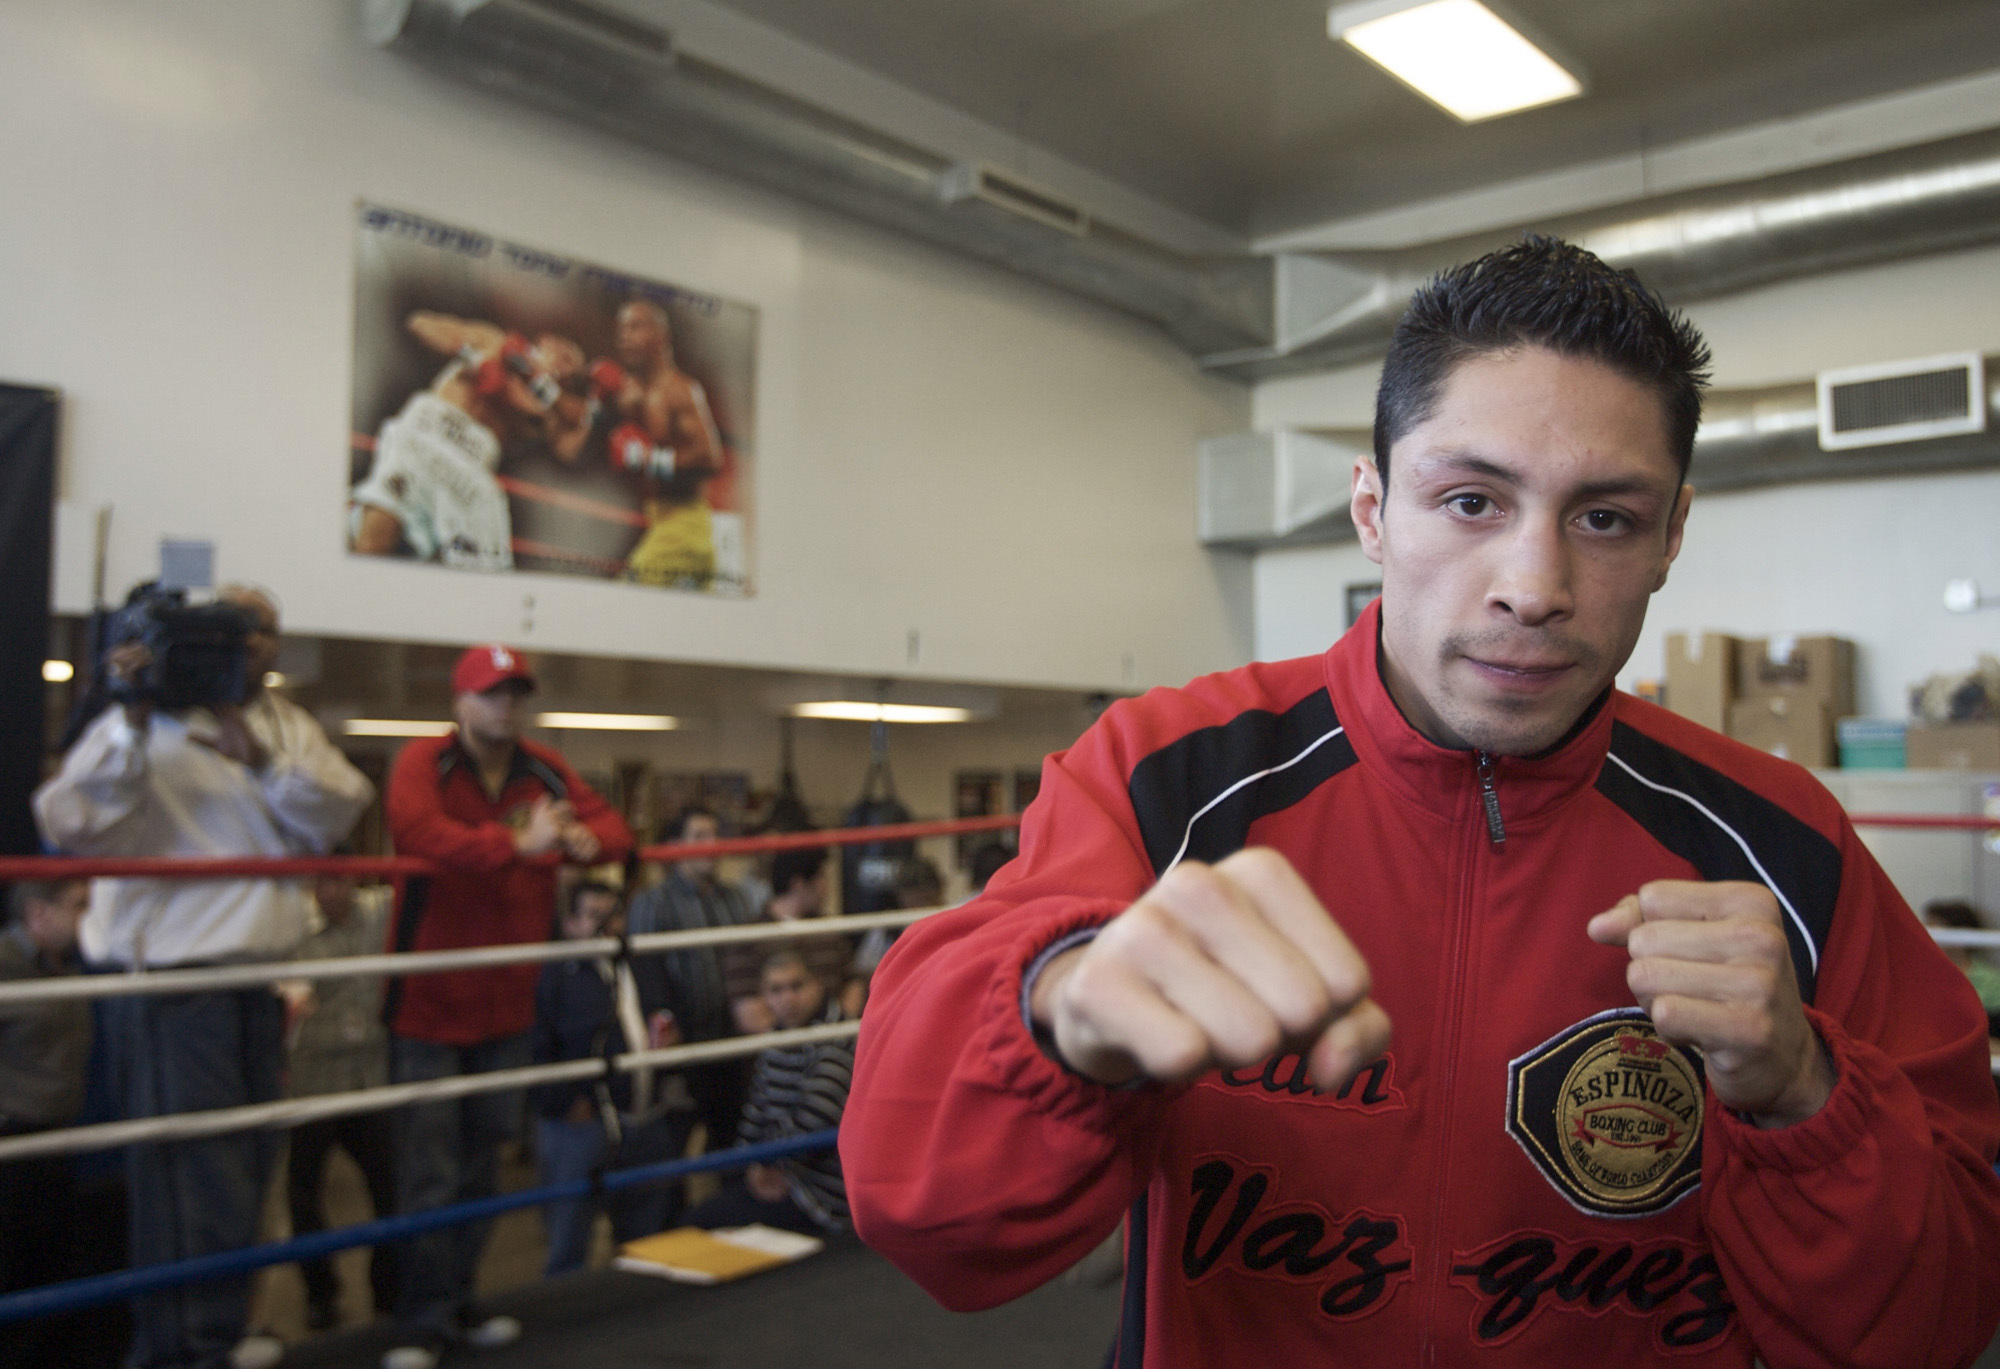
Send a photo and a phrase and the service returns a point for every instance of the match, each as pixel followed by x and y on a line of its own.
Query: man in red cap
pixel 500 814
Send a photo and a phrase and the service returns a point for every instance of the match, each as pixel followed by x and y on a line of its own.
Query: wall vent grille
pixel 970 181
pixel 1906 401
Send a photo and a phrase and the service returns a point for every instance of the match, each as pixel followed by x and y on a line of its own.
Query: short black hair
pixel 918 878
pixel 674 828
pixel 26 891
pixel 789 867
pixel 1540 292
pixel 584 887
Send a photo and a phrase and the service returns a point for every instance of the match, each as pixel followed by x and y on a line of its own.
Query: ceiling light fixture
pixel 609 722
pixel 1456 53
pixel 395 727
pixel 851 710
pixel 58 672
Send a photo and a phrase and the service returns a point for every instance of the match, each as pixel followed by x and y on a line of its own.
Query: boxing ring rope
pixel 293 1112
pixel 126 1283
pixel 250 974
pixel 285 1113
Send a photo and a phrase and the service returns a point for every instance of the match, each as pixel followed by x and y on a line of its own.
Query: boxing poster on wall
pixel 518 410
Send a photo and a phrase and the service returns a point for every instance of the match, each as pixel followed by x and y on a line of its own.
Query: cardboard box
pixel 1794 726
pixel 1952 746
pixel 1701 676
pixel 1817 667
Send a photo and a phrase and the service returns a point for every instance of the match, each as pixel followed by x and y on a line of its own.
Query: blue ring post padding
pixel 127 1283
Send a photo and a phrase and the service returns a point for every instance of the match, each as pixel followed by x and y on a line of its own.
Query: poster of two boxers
pixel 515 409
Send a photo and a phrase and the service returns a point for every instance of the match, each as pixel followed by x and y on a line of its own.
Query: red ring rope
pixel 290 867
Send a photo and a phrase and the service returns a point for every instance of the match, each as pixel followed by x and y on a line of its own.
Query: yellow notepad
pixel 688 1254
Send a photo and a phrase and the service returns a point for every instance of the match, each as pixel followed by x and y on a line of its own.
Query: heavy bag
pixel 868 871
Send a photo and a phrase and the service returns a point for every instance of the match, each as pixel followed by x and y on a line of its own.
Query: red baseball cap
pixel 484 667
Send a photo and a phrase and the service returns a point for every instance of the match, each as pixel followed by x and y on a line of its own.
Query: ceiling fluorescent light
pixel 850 710
pixel 610 722
pixel 58 672
pixel 395 727
pixel 1457 53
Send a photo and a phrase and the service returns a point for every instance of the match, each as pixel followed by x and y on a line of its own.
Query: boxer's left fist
pixel 1711 967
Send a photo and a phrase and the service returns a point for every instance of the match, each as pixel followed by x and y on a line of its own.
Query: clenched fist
pixel 1215 966
pixel 1711 967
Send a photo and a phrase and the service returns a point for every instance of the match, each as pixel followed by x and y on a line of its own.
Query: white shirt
pixel 122 792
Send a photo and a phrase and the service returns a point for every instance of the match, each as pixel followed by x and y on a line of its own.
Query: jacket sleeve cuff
pixel 1024 1057
pixel 1821 1139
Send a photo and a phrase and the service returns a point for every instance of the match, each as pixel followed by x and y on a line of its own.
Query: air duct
pixel 625 77
pixel 1690 246
pixel 1246 317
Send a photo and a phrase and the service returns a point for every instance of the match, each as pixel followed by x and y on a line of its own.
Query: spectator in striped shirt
pixel 795 1090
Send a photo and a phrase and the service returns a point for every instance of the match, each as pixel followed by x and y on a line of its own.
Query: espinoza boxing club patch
pixel 1611 1114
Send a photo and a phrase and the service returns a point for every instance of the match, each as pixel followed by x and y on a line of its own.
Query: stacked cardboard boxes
pixel 1701 676
pixel 1954 746
pixel 1790 691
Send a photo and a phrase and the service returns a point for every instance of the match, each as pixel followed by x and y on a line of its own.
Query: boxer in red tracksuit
pixel 1674 1075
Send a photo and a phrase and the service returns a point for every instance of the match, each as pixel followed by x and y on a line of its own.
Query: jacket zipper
pixel 1489 800
pixel 1438 1258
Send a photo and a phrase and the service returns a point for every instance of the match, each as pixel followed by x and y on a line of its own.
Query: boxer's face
pixel 1528 520
pixel 642 335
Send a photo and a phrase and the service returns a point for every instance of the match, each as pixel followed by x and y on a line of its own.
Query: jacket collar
pixel 1437 779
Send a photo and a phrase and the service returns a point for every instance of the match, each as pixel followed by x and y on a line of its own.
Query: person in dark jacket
pixel 592 1008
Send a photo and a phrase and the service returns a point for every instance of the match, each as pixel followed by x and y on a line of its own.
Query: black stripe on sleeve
pixel 1803 866
pixel 1173 789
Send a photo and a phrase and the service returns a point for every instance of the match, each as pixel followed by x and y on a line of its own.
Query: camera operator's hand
pixel 542 833
pixel 234 738
pixel 122 665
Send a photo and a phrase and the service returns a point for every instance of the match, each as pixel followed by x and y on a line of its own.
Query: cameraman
pixel 256 778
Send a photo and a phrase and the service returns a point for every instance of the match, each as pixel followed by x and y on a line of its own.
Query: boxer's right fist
pixel 631 447
pixel 1216 966
pixel 607 378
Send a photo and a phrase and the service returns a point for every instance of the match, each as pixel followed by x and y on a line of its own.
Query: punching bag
pixel 868 871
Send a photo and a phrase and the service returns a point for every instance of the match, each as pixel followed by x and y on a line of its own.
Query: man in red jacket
pixel 1674 1072
pixel 500 814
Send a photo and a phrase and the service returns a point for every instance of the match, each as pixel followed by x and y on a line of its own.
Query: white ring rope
pixel 293 1112
pixel 252 974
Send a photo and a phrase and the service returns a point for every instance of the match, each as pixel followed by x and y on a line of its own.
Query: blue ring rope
pixel 126 1283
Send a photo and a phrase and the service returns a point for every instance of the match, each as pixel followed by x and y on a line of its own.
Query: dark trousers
pixel 37 1218
pixel 448 1152
pixel 368 1139
pixel 736 1205
pixel 720 1090
pixel 176 1053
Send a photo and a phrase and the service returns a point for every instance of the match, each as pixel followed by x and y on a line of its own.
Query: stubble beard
pixel 1504 726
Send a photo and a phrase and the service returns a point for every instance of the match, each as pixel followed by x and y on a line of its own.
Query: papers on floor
pixel 690 1255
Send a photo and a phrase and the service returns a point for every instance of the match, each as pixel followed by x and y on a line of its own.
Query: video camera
pixel 199 651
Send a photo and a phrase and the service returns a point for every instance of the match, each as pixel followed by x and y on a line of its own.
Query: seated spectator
pixel 794 1090
pixel 799 884
pixel 338 1045
pixel 592 1008
pixel 44 1049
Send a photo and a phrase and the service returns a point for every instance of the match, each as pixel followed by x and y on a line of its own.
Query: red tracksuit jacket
pixel 487 895
pixel 1530 1176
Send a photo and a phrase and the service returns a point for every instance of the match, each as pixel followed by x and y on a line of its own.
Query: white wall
pixel 1863 559
pixel 942 447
